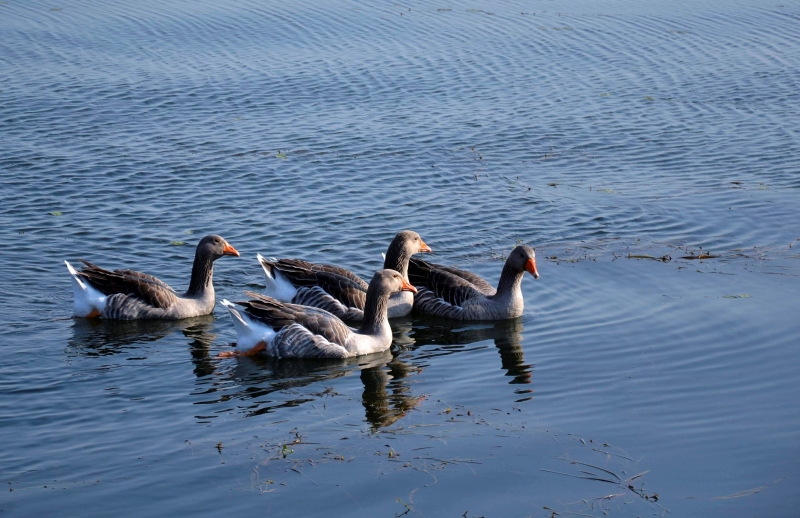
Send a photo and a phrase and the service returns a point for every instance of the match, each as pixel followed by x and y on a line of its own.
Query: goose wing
pixel 347 291
pixel 317 297
pixel 341 272
pixel 445 283
pixel 304 273
pixel 152 291
pixel 428 302
pixel 339 283
pixel 297 341
pixel 477 282
pixel 279 315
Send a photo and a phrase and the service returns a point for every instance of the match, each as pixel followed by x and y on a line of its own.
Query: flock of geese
pixel 303 310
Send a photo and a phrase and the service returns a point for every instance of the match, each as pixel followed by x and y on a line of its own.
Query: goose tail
pixel 277 285
pixel 89 301
pixel 249 332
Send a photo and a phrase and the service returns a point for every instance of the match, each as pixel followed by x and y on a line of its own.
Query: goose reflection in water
pixel 99 337
pixel 386 397
pixel 449 337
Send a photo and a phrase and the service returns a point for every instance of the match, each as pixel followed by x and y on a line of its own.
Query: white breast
pixel 400 304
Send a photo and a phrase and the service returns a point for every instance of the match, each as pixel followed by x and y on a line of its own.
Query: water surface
pixel 608 136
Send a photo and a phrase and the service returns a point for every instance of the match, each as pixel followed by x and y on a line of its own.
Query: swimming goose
pixel 285 330
pixel 449 292
pixel 336 289
pixel 131 295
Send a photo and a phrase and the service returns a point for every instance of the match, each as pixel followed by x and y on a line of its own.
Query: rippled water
pixel 604 134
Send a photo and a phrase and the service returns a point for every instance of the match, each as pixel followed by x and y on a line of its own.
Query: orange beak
pixel 423 247
pixel 229 250
pixel 408 287
pixel 530 267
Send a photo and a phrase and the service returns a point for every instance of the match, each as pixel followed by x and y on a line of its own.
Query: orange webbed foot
pixel 259 348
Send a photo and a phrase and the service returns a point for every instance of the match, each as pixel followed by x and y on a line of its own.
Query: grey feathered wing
pixel 443 290
pixel 330 287
pixel 150 291
pixel 303 331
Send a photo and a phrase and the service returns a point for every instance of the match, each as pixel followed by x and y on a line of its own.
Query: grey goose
pixel 132 295
pixel 285 330
pixel 452 293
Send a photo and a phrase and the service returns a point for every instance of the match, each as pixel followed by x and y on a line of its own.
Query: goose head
pixel 523 258
pixel 410 242
pixel 389 282
pixel 213 247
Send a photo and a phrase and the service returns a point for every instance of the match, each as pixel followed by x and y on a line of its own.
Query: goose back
pixel 278 315
pixel 418 271
pixel 152 291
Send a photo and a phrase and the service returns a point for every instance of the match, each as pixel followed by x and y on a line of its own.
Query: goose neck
pixel 510 283
pixel 202 273
pixel 375 311
pixel 397 259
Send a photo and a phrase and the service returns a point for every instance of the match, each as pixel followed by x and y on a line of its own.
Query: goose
pixel 452 293
pixel 336 289
pixel 132 295
pixel 285 330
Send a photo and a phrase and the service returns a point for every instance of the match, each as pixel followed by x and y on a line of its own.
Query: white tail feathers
pixel 242 327
pixel 263 266
pixel 249 332
pixel 88 300
pixel 277 285
pixel 74 274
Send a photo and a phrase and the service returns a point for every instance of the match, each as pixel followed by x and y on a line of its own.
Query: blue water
pixel 607 135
